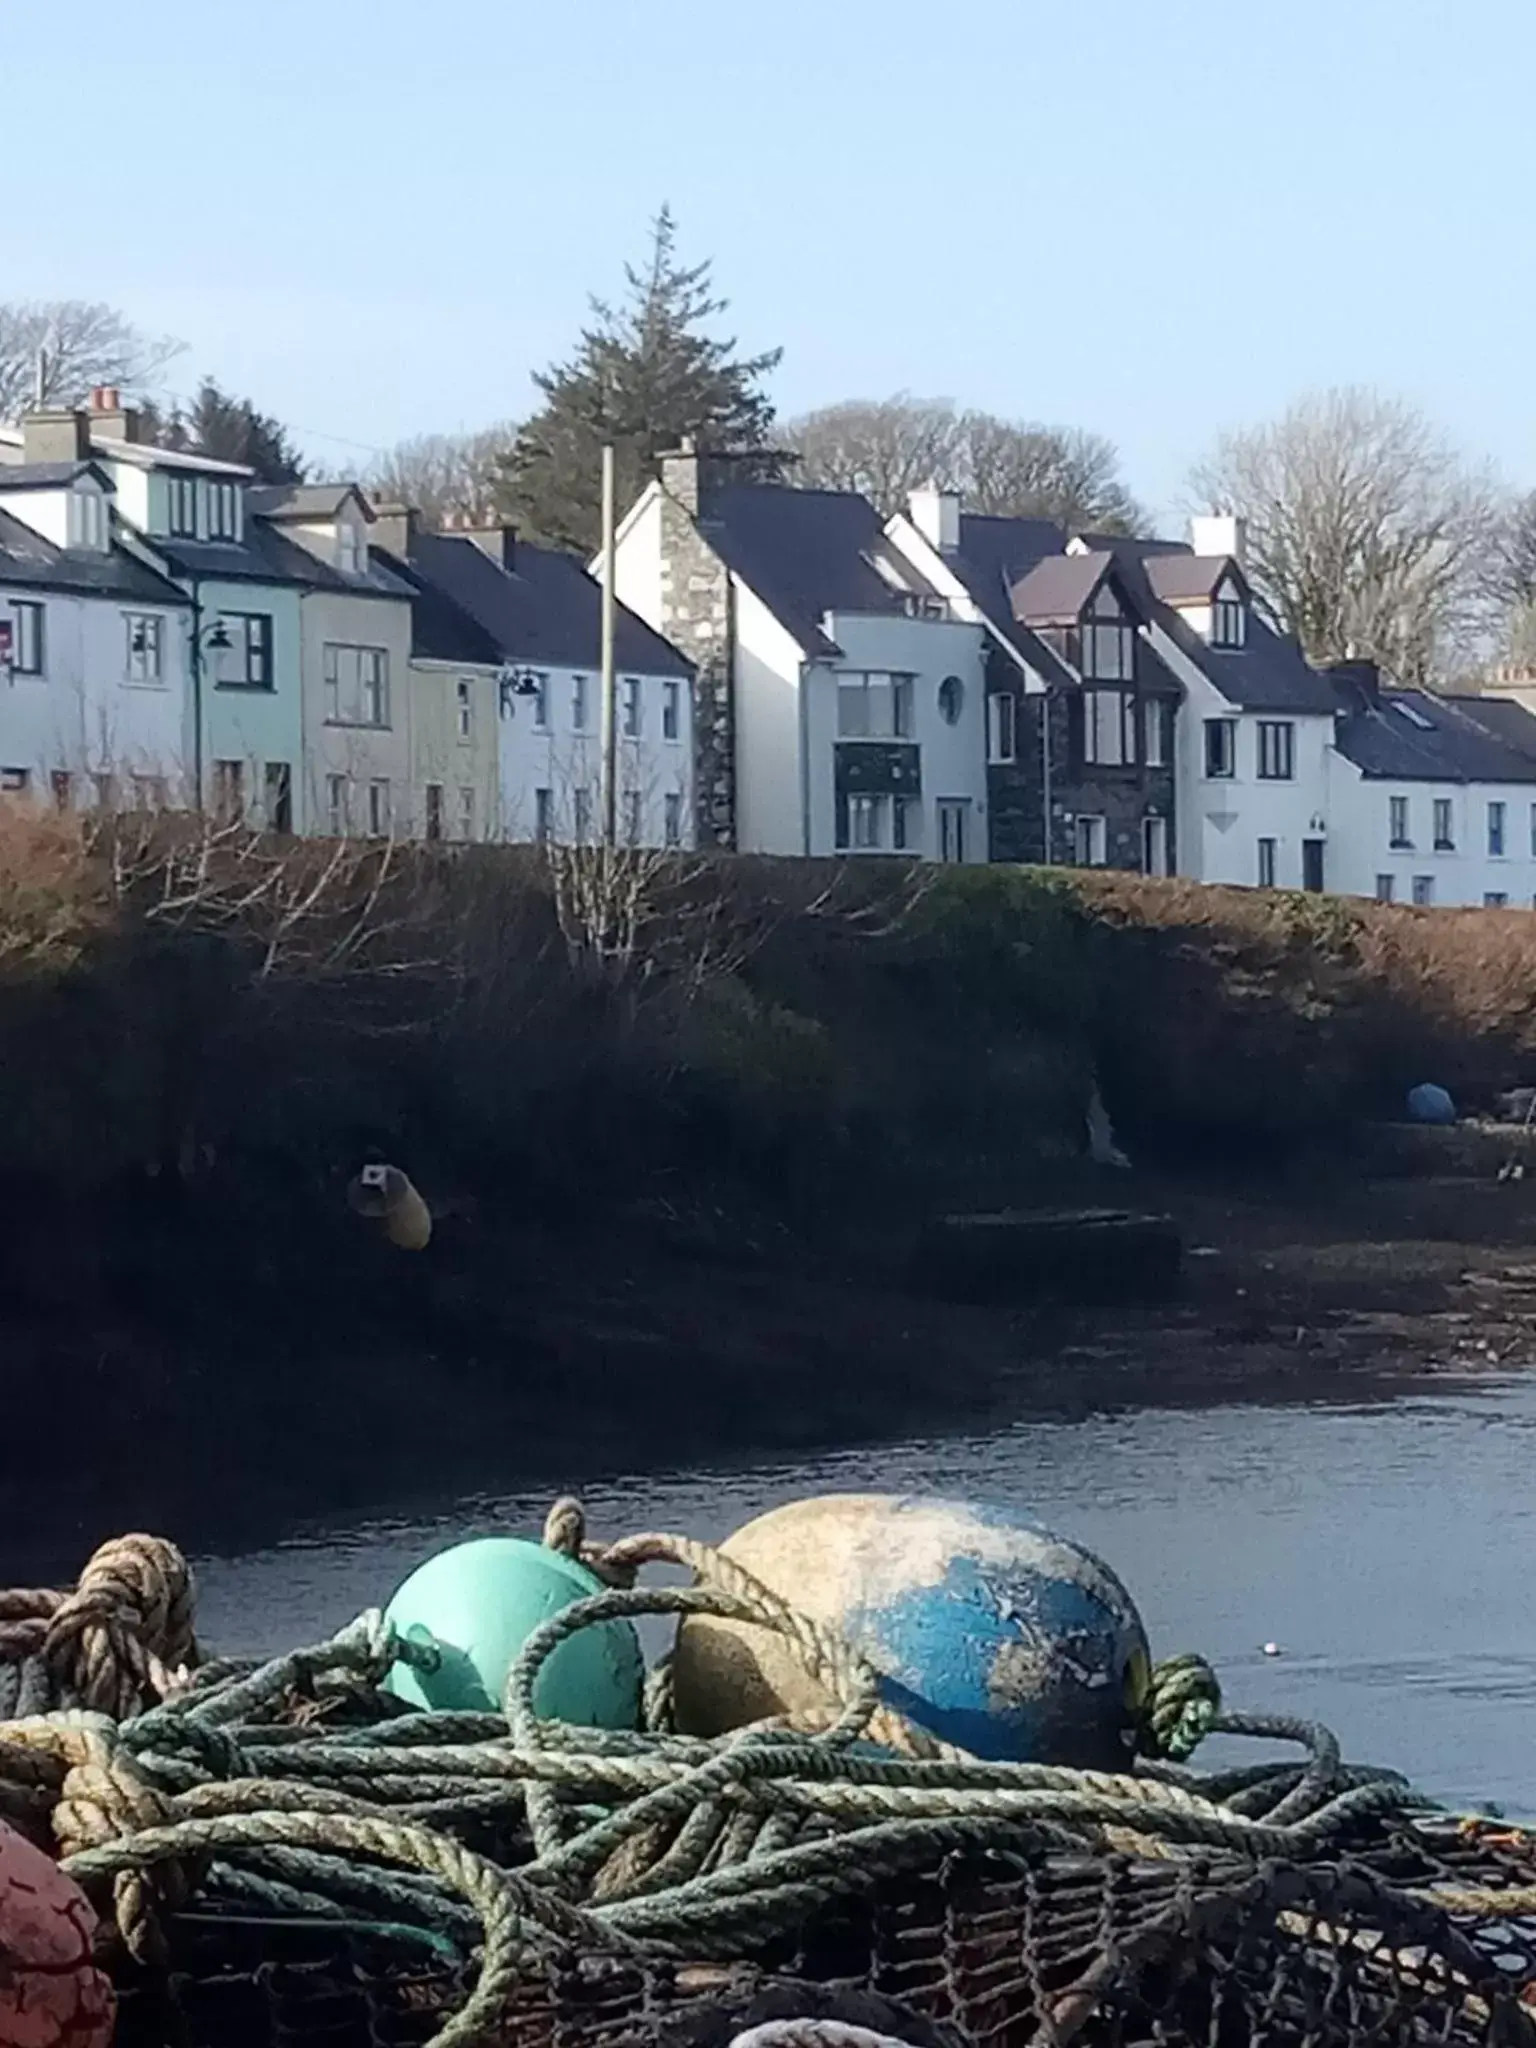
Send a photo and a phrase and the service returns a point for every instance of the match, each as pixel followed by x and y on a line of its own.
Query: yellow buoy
pixel 391 1198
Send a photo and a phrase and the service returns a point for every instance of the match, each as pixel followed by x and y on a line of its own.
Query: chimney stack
pixel 496 540
pixel 1359 680
pixel 395 527
pixel 680 475
pixel 1219 533
pixel 55 434
pixel 110 419
pixel 936 515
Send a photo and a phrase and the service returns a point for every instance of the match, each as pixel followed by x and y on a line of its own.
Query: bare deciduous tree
pixel 1009 468
pixel 445 476
pixel 57 349
pixel 1367 534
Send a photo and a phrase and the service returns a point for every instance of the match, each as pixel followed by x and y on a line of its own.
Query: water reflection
pixel 1387 1549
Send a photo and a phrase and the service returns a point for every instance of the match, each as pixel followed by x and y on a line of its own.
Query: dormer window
pixel 181 506
pixel 223 512
pixel 88 520
pixel 349 549
pixel 1229 617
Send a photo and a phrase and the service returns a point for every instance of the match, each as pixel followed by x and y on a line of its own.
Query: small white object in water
pixel 1272 1649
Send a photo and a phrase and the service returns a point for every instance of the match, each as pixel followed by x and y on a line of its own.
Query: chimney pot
pixel 936 515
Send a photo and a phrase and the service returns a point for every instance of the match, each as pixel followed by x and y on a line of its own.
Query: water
pixel 1388 1549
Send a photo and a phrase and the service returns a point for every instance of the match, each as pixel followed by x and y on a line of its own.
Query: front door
pixel 1312 865
pixel 1154 846
pixel 952 812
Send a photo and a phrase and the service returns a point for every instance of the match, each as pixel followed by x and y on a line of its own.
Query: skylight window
pixel 1414 716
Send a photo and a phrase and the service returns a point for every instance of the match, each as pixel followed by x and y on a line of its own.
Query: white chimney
pixel 936 515
pixel 1218 533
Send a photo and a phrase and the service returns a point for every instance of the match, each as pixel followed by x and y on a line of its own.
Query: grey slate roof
pixel 303 501
pixel 1056 590
pixel 440 629
pixel 26 558
pixel 48 476
pixel 804 553
pixel 267 555
pixel 1506 719
pixel 1179 578
pixel 1444 741
pixel 546 608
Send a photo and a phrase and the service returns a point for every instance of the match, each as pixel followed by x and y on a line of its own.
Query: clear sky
pixel 1154 218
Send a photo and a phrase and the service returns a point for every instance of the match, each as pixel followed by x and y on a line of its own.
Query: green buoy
pixel 474 1607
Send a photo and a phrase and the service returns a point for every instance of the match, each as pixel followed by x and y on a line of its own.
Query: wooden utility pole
pixel 610 699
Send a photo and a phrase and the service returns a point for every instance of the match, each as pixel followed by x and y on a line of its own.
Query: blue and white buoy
pixel 988 1630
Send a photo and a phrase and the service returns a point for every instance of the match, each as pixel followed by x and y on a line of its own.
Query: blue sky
pixel 1155 218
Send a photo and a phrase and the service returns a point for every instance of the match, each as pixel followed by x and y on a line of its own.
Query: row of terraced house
pixel 795 676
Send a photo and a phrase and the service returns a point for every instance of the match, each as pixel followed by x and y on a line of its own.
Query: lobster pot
pixel 472 1608
pixel 988 1631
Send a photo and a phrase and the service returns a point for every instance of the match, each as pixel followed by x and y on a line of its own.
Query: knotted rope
pixel 117 1643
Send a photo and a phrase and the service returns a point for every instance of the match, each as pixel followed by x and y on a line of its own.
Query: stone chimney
pixel 680 475
pixel 110 419
pixel 1219 533
pixel 59 434
pixel 494 539
pixel 936 515
pixel 395 528
pixel 1359 680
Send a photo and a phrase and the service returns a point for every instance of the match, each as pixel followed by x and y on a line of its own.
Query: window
pixel 1397 821
pixel 1109 728
pixel 87 520
pixel 378 808
pixel 356 685
pixel 246 664
pixel 1267 863
pixel 1495 899
pixel 277 796
pixel 149 793
pixel 950 812
pixel 873 706
pixel 1445 836
pixel 671 705
pixel 15 781
pixel 907 824
pixel 1002 716
pixel 543 814
pixel 1277 750
pixel 1229 618
pixel 349 548
pixel 27 641
pixel 181 506
pixel 1496 815
pixel 1109 653
pixel 223 512
pixel 672 818
pixel 632 817
pixel 578 703
pixel 1220 749
pixel 632 707
pixel 146 636
pixel 951 700
pixel 229 792
pixel 541 703
pixel 1533 829
pixel 466 812
pixel 1423 889
pixel 878 824
pixel 1154 733
pixel 1154 845
pixel 464 709
pixel 434 817
pixel 1090 847
pixel 336 805
pixel 62 784
pixel 581 815
pixel 1386 888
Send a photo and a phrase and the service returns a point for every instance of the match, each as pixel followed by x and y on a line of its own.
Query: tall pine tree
pixel 230 430
pixel 645 374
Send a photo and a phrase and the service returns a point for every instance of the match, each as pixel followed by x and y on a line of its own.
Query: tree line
pixel 1368 534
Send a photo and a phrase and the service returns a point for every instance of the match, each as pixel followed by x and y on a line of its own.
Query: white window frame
pixel 466 810
pixel 634 708
pixel 1386 888
pixel 464 710
pixel 1442 813
pixel 1423 891
pixel 251 651
pixel 1229 619
pixel 144 667
pixel 1277 750
pixel 1108 651
pixel 181 506
pixel 356 683
pixel 1002 727
pixel 1110 720
pixel 1228 728
pixel 336 805
pixel 88 523
pixel 671 710
pixel 580 704
pixel 1399 823
pixel 29 649
pixel 223 512
pixel 432 811
pixel 1154 733
pixel 1498 828
pixel 1154 845
pixel 1090 840
pixel 1268 862
pixel 543 816
pixel 380 808
pixel 875 704
pixel 350 552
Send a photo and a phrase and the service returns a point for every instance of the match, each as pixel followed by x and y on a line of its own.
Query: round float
pixel 51 1993
pixel 988 1630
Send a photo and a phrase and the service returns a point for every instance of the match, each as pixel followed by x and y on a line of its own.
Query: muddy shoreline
pixel 236 1383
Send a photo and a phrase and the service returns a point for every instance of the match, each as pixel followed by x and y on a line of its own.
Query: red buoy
pixel 51 1993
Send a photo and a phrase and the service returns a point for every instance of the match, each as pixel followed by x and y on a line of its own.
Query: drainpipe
pixel 197 695
pixel 1045 772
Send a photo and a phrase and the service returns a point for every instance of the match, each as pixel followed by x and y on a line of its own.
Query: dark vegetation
pixel 681 1123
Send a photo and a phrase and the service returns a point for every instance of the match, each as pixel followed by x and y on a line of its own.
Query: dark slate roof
pixel 1058 589
pixel 303 501
pixel 546 608
pixel 440 629
pixel 48 476
pixel 994 555
pixel 267 555
pixel 26 558
pixel 1268 673
pixel 1441 742
pixel 804 553
pixel 1179 578
pixel 1506 719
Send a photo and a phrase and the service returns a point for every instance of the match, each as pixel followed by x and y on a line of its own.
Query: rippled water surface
pixel 1389 1550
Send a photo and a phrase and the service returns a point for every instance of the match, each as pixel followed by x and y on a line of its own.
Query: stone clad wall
pixel 696 616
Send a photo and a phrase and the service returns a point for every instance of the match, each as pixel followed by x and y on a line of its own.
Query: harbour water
pixel 1388 1550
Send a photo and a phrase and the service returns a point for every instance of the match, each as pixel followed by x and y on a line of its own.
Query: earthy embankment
pixel 682 1125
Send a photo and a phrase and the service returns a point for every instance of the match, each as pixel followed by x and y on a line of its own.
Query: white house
pixel 1433 797
pixel 840 699
pixel 531 617
pixel 94 696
